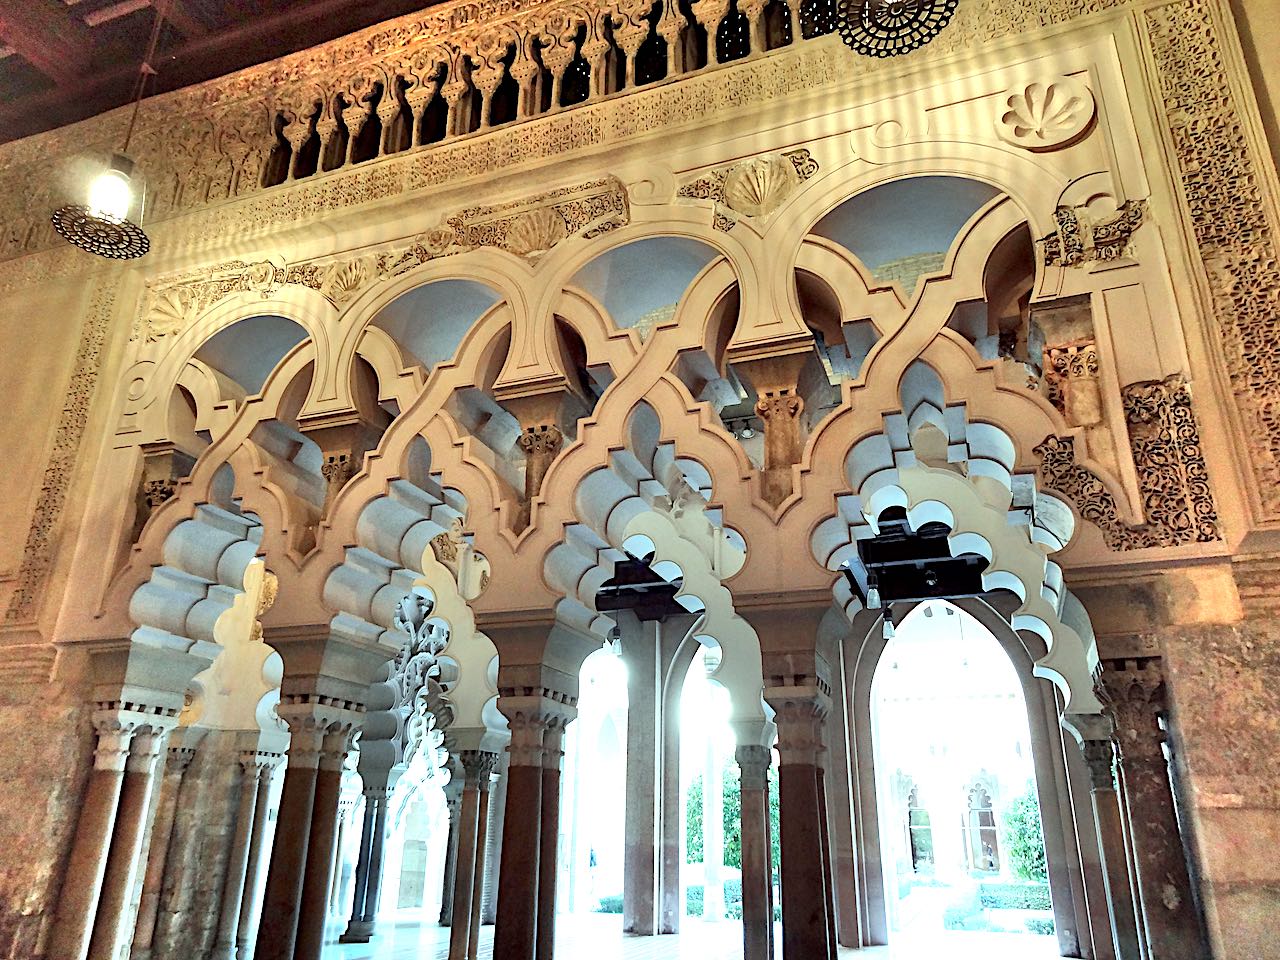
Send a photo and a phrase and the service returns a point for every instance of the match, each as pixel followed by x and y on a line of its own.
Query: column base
pixel 357 932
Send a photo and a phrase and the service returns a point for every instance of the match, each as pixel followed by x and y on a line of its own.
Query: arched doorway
pixel 962 845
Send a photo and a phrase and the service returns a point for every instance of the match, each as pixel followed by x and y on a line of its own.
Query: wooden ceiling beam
pixel 183 22
pixel 47 36
pixel 215 54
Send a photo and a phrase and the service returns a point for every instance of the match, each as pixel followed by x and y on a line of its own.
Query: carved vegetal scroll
pixel 1164 439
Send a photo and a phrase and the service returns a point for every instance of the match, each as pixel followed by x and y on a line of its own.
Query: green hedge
pixel 693 902
pixel 1041 925
pixel 996 895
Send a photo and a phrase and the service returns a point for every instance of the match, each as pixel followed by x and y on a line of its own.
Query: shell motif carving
pixel 344 280
pixel 756 187
pixel 535 232
pixel 1047 114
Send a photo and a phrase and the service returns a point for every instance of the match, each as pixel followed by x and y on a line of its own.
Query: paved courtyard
pixel 599 937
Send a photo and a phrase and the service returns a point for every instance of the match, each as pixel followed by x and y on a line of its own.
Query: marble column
pixel 453 798
pixel 548 847
pixel 477 766
pixel 175 768
pixel 757 911
pixel 373 839
pixel 82 886
pixel 828 875
pixel 1134 694
pixel 278 927
pixel 127 841
pixel 335 870
pixel 257 844
pixel 641 653
pixel 313 902
pixel 805 931
pixel 482 848
pixel 253 768
pixel 515 935
pixel 670 818
pixel 1100 757
pixel 493 856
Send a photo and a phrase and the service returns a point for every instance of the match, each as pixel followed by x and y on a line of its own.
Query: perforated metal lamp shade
pixel 99 231
pixel 890 28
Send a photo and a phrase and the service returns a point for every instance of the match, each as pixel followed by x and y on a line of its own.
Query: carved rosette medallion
pixel 1046 114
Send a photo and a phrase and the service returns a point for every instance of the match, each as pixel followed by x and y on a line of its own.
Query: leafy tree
pixel 1024 838
pixel 732 806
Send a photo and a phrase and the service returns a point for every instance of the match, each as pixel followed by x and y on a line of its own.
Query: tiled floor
pixel 599 937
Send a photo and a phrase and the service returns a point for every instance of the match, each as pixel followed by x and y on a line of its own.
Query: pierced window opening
pixel 399 132
pixel 819 17
pixel 919 834
pixel 506 97
pixel 777 25
pixel 370 136
pixel 308 158
pixel 694 39
pixel 575 85
pixel 982 840
pixel 335 151
pixel 276 169
pixel 651 58
pixel 733 36
pixel 435 115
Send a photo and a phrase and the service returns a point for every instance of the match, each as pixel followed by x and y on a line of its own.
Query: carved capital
pixel 477 766
pixel 779 407
pixel 753 764
pixel 800 719
pixel 542 441
pixel 1100 756
pixel 1133 695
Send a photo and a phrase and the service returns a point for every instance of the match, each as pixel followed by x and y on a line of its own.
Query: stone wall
pixel 1225 701
pixel 44 763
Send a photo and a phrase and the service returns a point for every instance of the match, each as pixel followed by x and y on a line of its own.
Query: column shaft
pixel 355 932
pixel 1115 867
pixel 373 891
pixel 641 652
pixel 477 886
pixel 158 856
pixel 238 861
pixel 517 928
pixel 257 843
pixel 127 842
pixel 757 912
pixel 82 884
pixel 828 877
pixel 450 859
pixel 1133 691
pixel 549 841
pixel 804 913
pixel 313 902
pixel 278 927
pixel 464 877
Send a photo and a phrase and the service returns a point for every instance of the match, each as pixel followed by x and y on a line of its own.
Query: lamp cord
pixel 146 70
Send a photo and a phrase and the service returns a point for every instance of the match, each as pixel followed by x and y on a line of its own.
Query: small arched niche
pixel 641 283
pixel 902 230
pixel 429 322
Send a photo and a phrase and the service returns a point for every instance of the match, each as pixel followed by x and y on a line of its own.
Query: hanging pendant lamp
pixel 101 224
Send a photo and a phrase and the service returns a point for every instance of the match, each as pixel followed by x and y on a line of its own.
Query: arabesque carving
pixel 1164 439
pixel 527 228
pixel 1224 197
pixel 37 552
pixel 1079 240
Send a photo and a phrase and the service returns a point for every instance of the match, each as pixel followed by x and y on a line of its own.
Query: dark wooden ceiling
pixel 64 60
